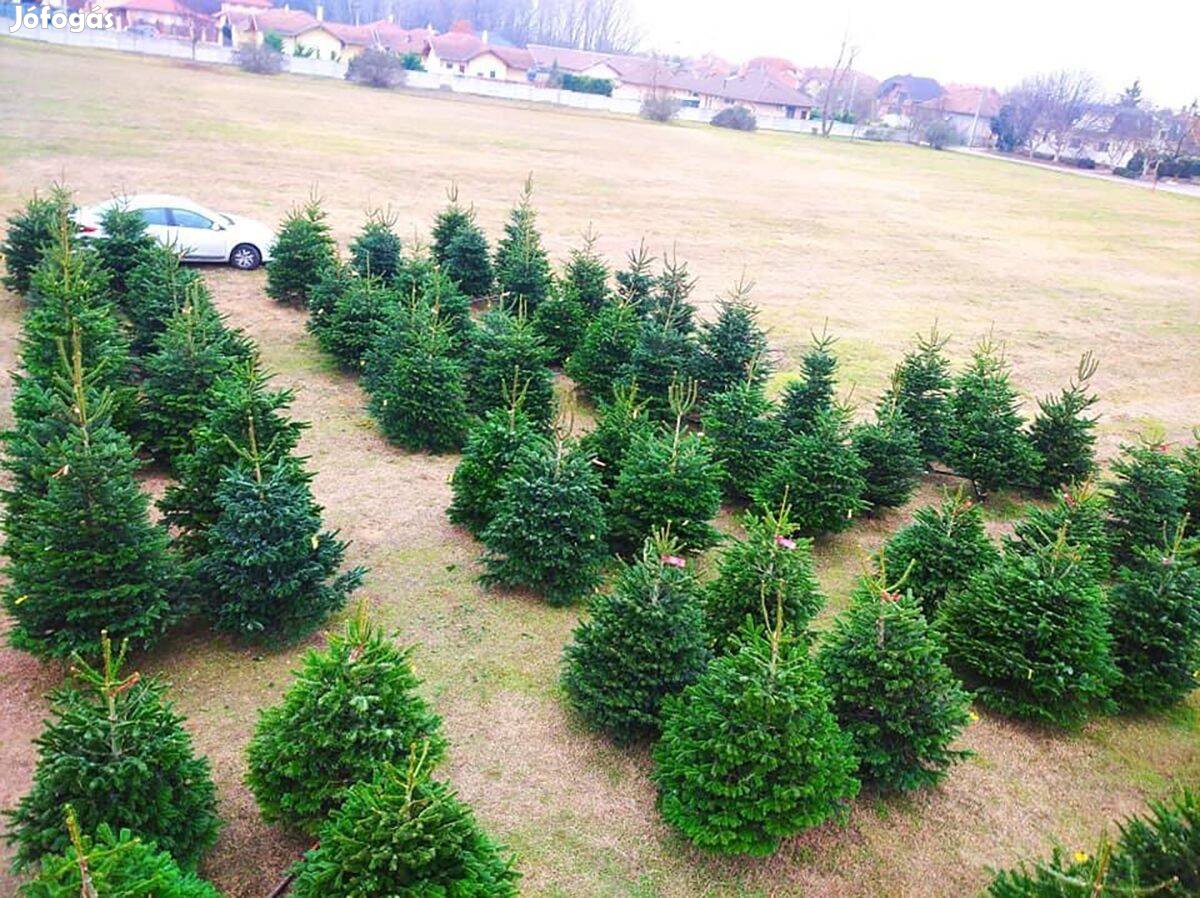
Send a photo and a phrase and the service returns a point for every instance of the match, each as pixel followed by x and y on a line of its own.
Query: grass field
pixel 878 240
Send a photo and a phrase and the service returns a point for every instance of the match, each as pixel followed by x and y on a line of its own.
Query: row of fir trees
pixel 125 362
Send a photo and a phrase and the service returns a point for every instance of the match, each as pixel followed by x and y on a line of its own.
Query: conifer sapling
pixel 1063 435
pixel 303 248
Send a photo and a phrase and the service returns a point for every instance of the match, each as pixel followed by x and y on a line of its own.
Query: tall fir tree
pixel 1147 497
pixel 448 223
pixel 641 642
pixel 605 349
pixel 353 707
pixel 805 400
pixel 117 753
pixel 122 247
pixel 767 569
pixel 82 553
pixel 619 422
pixel 467 261
pixel 505 348
pixel 743 429
pixel 987 443
pixel 1062 433
pixel 891 690
pixel 158 286
pixel 733 348
pixel 30 232
pixel 303 248
pixel 588 273
pixel 523 273
pixel 377 250
pixel 891 453
pixel 920 390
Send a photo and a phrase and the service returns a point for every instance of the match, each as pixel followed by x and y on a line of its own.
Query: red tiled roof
pixel 966 100
pixel 286 22
pixel 513 57
pixel 456 47
pixel 568 59
pixel 353 35
pixel 401 40
pixel 754 87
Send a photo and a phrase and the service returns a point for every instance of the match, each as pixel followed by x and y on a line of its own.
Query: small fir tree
pixel 770 567
pixel 547 529
pixel 125 242
pixel 987 444
pixel 941 550
pixel 588 274
pixel 663 355
pixel 920 390
pixel 751 752
pixel 352 708
pixel 377 251
pixel 733 348
pixel 30 232
pixel 359 316
pixel 806 400
pixel 605 349
pixel 820 474
pixel 892 457
pixel 506 348
pixel 112 865
pixel 640 643
pixel 304 247
pixel 1082 513
pixel 522 266
pixel 743 430
pixel 1031 636
pixel 467 261
pixel 1147 498
pixel 448 223
pixel 619 422
pixel 1062 433
pixel 1155 606
pixel 117 753
pixel 635 282
pixel 332 284
pixel 421 283
pixel 269 572
pixel 560 321
pixel 668 479
pixel 157 287
pixel 892 693
pixel 669 303
pixel 404 834
pixel 1189 464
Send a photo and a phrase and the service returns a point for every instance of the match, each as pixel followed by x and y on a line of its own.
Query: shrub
pixel 125 241
pixel 584 85
pixel 1080 515
pixel 659 107
pixel 1146 498
pixel 737 118
pixel 892 458
pixel 1155 605
pixel 588 274
pixel 751 753
pixel 605 349
pixel 260 60
pixel 1062 435
pixel 269 572
pixel 377 68
pixel 920 390
pixel 522 266
pixel 547 530
pixel 377 250
pixel 618 422
pixel 36 227
pixel 352 707
pixel 303 249
pixel 891 691
pixel 157 287
pixel 640 643
pixel 940 135
pixel 491 447
pixel 940 550
pixel 403 833
pixel 820 475
pixel 117 753
pixel 506 350
pixel 467 261
pixel 733 348
pixel 766 570
pixel 112 865
pixel 1031 635
pixel 805 400
pixel 560 321
pixel 742 428
pixel 360 315
pixel 987 444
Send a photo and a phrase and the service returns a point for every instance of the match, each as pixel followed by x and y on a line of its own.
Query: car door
pixel 158 225
pixel 199 236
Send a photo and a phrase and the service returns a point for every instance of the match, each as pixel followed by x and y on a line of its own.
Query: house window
pixel 448 65
pixel 1102 146
pixel 462 68
pixel 492 73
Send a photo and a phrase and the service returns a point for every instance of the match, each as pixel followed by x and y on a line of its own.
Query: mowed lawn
pixel 880 241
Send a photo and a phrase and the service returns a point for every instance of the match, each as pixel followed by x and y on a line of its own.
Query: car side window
pixel 155 217
pixel 185 219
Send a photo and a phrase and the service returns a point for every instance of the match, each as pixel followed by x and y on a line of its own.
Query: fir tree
pixel 1155 606
pixel 743 430
pixel 112 865
pixel 941 550
pixel 190 505
pixel 605 350
pixel 987 444
pixel 449 222
pixel 467 261
pixel 768 568
pixel 619 422
pixel 421 283
pixel 751 752
pixel 635 283
pixel 588 274
pixel 892 693
pixel 417 385
pixel 303 248
pixel 560 321
pixel 640 643
pixel 669 303
pixel 1063 435
pixel 1189 464
pixel 820 474
pixel 668 479
pixel 125 242
pixel 892 457
pixel 920 390
pixel 405 835
pixel 157 287
pixel 733 349
pixel 1082 515
pixel 376 251
pixel 1147 498
pixel 117 753
pixel 547 529
pixel 491 447
pixel 83 555
pixel 363 312
pixel 352 708
pixel 30 232
pixel 522 266
pixel 506 348
pixel 663 355
pixel 269 572
pixel 804 401
pixel 332 284
pixel 1031 636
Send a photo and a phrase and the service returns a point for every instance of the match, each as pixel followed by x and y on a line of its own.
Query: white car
pixel 200 233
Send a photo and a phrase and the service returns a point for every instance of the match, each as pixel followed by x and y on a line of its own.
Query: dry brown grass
pixel 880 240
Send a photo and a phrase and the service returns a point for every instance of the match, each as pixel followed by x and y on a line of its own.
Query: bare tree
pixel 845 62
pixel 1069 94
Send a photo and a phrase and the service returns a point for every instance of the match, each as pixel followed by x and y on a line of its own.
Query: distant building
pixel 900 96
pixel 968 109
pixel 171 18
pixel 466 54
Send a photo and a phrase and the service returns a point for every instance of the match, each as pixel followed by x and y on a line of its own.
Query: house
pixel 466 54
pixel 168 17
pixel 854 94
pixel 900 96
pixel 564 59
pixel 1107 134
pixel 301 33
pixel 403 41
pixel 969 109
pixel 759 91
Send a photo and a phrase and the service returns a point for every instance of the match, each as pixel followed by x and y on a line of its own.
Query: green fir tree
pixel 733 348
pixel 377 251
pixel 1063 435
pixel 588 273
pixel 523 273
pixel 891 453
pixel 507 348
pixel 1147 497
pixel 30 232
pixel 605 350
pixel 920 390
pixel 619 422
pixel 806 400
pixel 304 247
pixel 560 320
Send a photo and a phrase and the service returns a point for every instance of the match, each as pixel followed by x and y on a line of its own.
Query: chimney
pixel 320 12
pixel 484 36
pixel 391 17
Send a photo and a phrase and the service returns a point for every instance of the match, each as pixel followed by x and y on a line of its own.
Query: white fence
pixel 482 87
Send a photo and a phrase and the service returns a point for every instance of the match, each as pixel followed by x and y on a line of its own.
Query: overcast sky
pixel 994 43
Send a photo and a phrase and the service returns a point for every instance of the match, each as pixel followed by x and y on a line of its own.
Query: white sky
pixel 994 43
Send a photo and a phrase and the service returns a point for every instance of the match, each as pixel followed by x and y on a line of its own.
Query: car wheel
pixel 245 257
